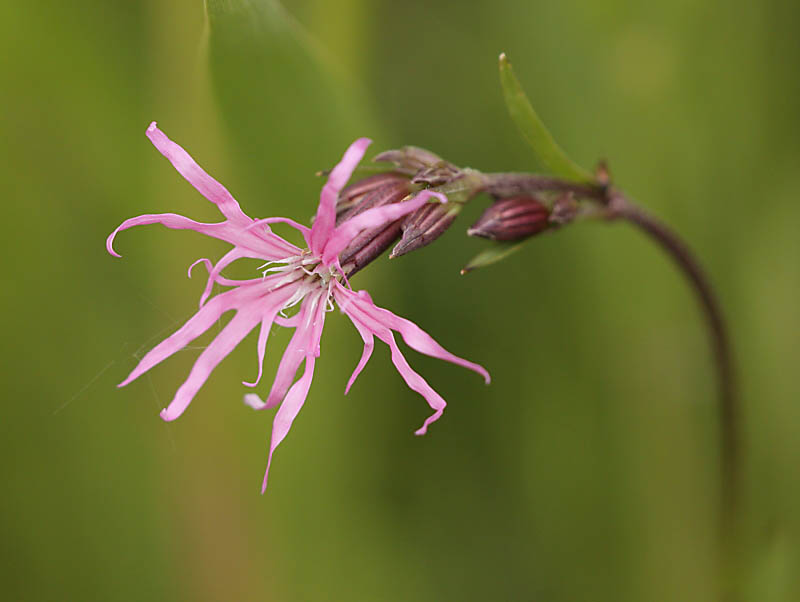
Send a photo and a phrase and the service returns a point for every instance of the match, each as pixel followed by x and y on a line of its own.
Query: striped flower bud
pixel 425 225
pixel 352 196
pixel 371 243
pixel 512 219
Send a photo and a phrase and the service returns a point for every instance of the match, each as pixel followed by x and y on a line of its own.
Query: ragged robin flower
pixel 312 277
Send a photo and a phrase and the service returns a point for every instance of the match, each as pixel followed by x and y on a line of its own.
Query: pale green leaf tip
pixel 496 252
pixel 533 129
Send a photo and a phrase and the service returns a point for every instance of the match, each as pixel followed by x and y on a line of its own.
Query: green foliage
pixel 547 151
pixel 585 471
pixel 493 254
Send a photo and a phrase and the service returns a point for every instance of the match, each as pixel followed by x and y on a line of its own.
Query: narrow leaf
pixel 493 254
pixel 533 129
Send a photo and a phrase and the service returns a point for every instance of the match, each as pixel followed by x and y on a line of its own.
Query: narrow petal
pixel 263 245
pixel 369 345
pixel 305 341
pixel 193 328
pixel 288 411
pixel 170 220
pixel 219 279
pixel 413 335
pixel 233 333
pixel 304 230
pixel 254 401
pixel 227 259
pixel 326 212
pixel 373 218
pixel 414 381
pixel 195 175
pixel 272 304
pixel 290 322
pixel 263 335
pixel 292 357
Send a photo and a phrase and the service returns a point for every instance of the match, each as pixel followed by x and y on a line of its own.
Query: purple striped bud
pixel 425 225
pixel 512 219
pixel 352 196
pixel 370 244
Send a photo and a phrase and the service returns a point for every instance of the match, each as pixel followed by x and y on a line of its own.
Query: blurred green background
pixel 586 471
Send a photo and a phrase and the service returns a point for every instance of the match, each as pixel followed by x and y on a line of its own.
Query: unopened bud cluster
pixel 415 169
pixel 514 215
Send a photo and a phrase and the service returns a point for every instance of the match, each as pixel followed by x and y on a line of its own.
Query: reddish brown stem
pixel 616 206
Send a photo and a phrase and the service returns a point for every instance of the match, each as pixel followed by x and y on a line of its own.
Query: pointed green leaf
pixel 533 129
pixel 493 254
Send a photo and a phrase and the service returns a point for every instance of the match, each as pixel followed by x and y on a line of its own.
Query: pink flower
pixel 311 277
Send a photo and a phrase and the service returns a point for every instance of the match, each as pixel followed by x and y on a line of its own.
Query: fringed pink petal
pixel 170 220
pixel 272 305
pixel 254 401
pixel 304 230
pixel 233 333
pixel 343 300
pixel 351 305
pixel 414 336
pixel 290 322
pixel 263 335
pixel 220 279
pixel 369 345
pixel 304 342
pixel 288 411
pixel 414 381
pixel 260 244
pixel 326 212
pixel 373 218
pixel 287 249
pixel 196 176
pixel 296 396
pixel 193 328
pixel 292 357
pixel 213 274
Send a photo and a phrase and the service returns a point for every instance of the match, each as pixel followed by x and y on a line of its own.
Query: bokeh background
pixel 586 471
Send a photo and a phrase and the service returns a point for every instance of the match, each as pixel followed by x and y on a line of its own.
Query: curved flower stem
pixel 511 183
pixel 616 206
pixel 620 207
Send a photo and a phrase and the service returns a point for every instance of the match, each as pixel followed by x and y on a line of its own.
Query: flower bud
pixel 512 219
pixel 425 225
pixel 369 244
pixel 428 223
pixel 410 158
pixel 353 195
